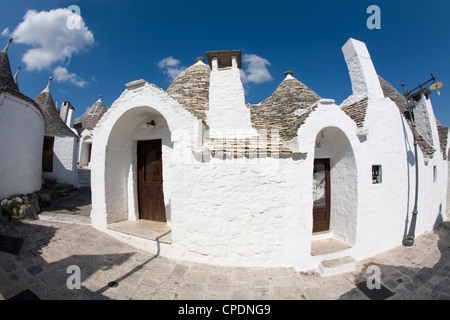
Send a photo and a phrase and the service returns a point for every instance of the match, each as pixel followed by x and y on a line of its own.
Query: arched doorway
pixel 335 193
pixel 130 171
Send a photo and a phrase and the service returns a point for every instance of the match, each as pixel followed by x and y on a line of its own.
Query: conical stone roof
pixel 6 78
pixel 91 117
pixel 53 122
pixel 7 81
pixel 191 89
pixel 277 111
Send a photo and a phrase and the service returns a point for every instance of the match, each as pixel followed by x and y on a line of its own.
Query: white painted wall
pixel 21 140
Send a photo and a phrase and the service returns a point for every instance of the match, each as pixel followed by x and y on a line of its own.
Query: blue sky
pixel 122 41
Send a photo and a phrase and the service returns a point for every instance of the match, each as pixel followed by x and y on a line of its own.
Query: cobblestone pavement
pixel 110 269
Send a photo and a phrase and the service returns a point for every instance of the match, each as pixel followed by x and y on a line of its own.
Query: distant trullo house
pixel 84 126
pixel 197 173
pixel 60 142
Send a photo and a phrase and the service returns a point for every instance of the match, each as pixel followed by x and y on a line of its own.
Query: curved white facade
pixel 21 139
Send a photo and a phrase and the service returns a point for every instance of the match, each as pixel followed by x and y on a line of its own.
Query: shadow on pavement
pixel 35 272
pixel 410 283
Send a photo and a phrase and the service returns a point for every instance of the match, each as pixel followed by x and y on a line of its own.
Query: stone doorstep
pixel 327 246
pixel 146 229
pixel 337 266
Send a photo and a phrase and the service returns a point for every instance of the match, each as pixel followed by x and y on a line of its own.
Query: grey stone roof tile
pixel 443 134
pixel 191 89
pixel 6 78
pixel 357 111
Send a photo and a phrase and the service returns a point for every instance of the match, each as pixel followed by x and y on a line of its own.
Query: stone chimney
pixel 362 72
pixel 228 114
pixel 67 113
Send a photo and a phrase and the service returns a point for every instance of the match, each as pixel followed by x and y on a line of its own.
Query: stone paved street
pixel 50 247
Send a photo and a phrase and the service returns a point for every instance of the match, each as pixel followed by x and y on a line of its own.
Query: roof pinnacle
pixel 17 72
pixel 47 88
pixel 7 45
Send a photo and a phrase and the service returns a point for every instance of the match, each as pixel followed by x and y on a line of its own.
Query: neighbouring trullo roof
pixel 91 117
pixel 191 89
pixel 8 83
pixel 278 111
pixel 53 122
pixel 6 78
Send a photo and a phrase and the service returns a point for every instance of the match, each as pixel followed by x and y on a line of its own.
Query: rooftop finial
pixel 17 72
pixel 200 59
pixel 47 89
pixel 7 45
pixel 99 98
pixel 288 75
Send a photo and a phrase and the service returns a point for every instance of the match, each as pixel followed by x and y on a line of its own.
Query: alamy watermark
pixel 374 21
pixel 74 20
pixel 374 280
pixel 74 280
pixel 260 151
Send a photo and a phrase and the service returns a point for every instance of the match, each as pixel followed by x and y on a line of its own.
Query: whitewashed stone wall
pixel 242 213
pixel 21 139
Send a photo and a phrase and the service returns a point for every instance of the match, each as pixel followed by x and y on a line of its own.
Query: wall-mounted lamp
pixel 149 124
pixel 436 85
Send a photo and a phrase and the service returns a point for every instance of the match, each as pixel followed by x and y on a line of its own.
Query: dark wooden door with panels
pixel 150 180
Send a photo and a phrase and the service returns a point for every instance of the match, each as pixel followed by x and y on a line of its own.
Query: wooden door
pixel 47 154
pixel 150 183
pixel 321 195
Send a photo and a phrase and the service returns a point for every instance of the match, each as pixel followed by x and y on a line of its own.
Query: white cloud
pixel 61 74
pixel 53 39
pixel 171 67
pixel 6 32
pixel 256 69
